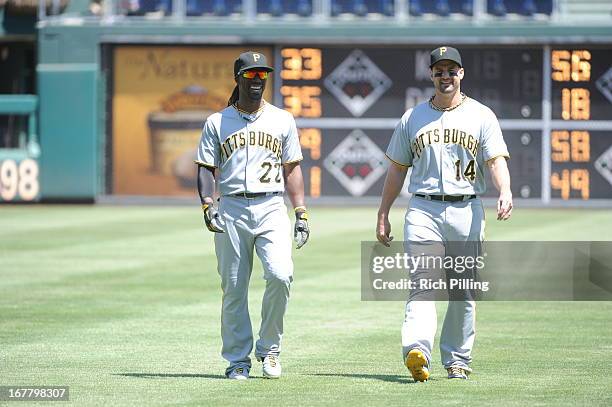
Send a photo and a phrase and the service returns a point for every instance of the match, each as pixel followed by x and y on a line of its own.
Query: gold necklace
pixel 249 113
pixel 447 109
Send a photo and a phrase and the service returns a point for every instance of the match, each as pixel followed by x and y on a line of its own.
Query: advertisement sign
pixel 161 97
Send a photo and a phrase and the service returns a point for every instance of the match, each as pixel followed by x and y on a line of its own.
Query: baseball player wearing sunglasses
pixel 253 151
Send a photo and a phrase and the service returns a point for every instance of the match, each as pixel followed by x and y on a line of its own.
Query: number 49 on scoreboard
pixel 19 180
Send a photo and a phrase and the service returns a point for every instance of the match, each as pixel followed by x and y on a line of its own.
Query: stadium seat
pixel 496 8
pixel 442 8
pixel 279 8
pixel 220 8
pixel 415 8
pixel 528 8
pixel 275 8
pixel 194 7
pixel 144 7
pixel 362 8
pixel 304 8
pixel 359 8
pixel 384 7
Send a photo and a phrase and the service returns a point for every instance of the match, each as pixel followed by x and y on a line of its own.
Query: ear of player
pixel 211 218
pixel 301 232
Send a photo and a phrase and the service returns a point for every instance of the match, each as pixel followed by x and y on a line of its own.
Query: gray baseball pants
pixel 260 225
pixel 444 222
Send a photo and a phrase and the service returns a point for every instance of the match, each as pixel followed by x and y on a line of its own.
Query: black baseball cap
pixel 445 53
pixel 251 60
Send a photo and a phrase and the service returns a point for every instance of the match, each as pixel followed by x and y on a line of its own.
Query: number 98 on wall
pixel 19 180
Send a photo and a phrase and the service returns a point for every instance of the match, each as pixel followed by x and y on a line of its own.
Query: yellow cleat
pixel 416 362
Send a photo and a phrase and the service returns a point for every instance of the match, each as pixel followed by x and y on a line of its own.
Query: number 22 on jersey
pixel 267 166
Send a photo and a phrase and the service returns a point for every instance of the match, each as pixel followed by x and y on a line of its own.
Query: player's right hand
pixel 383 229
pixel 212 220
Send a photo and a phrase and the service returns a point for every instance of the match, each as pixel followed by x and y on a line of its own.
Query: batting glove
pixel 301 232
pixel 212 218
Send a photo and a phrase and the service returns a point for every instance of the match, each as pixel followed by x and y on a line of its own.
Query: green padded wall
pixel 68 131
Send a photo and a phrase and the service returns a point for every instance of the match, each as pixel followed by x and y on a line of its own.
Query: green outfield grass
pixel 122 305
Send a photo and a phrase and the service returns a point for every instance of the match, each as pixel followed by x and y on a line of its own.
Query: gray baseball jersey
pixel 249 149
pixel 447 149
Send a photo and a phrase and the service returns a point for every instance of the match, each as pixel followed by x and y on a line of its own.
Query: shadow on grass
pixel 383 377
pixel 391 378
pixel 168 375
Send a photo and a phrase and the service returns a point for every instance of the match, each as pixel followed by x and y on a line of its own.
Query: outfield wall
pixel 122 101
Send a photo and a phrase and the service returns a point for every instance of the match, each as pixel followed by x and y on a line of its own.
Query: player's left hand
pixel 301 232
pixel 504 205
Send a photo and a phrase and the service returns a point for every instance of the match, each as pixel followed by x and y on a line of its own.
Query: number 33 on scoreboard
pixel 19 180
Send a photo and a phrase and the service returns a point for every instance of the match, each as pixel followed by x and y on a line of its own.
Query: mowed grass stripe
pixel 550 224
pixel 155 277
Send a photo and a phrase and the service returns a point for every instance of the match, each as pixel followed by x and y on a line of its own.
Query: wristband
pixel 300 213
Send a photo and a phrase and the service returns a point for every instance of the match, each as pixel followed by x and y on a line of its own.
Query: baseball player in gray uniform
pixel 448 141
pixel 253 151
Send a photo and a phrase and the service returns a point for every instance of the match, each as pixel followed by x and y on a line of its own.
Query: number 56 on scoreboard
pixel 19 180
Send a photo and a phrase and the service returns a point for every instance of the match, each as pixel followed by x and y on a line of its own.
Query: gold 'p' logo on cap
pixel 442 50
pixel 256 57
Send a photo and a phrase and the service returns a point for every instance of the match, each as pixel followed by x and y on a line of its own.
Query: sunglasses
pixel 253 74
pixel 439 74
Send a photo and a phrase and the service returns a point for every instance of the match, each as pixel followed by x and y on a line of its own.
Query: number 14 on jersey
pixel 469 173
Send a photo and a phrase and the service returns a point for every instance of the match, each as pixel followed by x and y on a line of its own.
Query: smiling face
pixel 446 76
pixel 252 88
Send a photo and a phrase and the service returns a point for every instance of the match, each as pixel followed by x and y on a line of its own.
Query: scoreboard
pixel 581 94
pixel 554 105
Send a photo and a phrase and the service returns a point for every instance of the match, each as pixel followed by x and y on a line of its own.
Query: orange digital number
pixel 581 67
pixel 579 181
pixel 301 63
pixel 572 146
pixel 562 68
pixel 581 146
pixel 315 182
pixel 302 101
pixel 574 65
pixel 310 139
pixel 561 183
pixel 559 141
pixel 568 180
pixel 575 104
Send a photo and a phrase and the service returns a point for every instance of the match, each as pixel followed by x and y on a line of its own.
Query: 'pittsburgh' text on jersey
pixel 447 150
pixel 249 148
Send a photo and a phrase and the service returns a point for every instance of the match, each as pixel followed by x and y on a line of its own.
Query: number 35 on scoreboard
pixel 19 180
